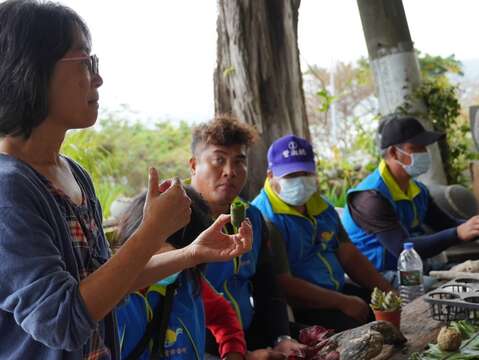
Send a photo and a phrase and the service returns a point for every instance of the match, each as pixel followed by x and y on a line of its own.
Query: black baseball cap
pixel 406 129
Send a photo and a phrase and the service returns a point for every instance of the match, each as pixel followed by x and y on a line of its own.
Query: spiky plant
pixel 380 301
pixel 392 302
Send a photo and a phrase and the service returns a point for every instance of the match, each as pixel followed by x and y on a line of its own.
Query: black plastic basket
pixel 455 300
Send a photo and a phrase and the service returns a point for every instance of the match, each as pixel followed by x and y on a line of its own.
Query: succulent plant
pixel 382 301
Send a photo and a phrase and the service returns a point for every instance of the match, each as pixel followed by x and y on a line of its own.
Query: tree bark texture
pixel 395 67
pixel 258 77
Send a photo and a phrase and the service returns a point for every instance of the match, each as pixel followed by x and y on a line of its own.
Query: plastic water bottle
pixel 410 271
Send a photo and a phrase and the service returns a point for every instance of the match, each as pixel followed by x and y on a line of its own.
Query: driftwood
pixel 469 268
pixel 386 353
pixel 366 342
pixel 365 347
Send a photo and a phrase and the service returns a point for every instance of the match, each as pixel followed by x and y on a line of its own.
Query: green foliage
pixel 118 153
pixel 325 99
pixel 443 109
pixel 84 147
pixel 338 175
pixel 437 66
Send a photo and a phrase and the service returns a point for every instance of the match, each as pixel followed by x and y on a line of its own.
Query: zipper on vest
pixel 330 270
pixel 322 258
pixel 122 337
pixel 195 348
pixel 415 221
pixel 233 302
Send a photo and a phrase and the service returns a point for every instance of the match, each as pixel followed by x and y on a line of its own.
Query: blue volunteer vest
pixel 311 241
pixel 185 335
pixel 232 279
pixel 410 208
pixel 132 318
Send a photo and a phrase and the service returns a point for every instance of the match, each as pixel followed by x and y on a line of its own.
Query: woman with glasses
pixel 58 283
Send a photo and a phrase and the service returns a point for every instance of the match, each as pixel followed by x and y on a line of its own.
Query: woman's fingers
pixel 165 185
pixel 220 222
pixel 246 234
pixel 153 182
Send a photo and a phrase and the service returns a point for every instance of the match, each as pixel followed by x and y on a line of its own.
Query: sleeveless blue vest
pixel 410 208
pixel 185 335
pixel 311 241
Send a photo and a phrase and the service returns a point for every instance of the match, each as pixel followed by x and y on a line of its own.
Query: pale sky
pixel 158 56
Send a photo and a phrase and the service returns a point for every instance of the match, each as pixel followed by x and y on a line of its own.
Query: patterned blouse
pixel 84 234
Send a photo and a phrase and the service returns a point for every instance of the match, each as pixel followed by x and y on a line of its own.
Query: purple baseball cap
pixel 291 154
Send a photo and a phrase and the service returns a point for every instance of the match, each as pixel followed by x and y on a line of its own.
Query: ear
pixel 192 164
pixel 392 152
pixel 273 182
pixel 269 174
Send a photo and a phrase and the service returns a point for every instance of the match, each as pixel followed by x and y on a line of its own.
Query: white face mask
pixel 420 162
pixel 297 191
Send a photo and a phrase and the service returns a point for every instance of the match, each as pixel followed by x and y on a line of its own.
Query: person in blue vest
pixel 168 318
pixel 317 247
pixel 219 170
pixel 390 207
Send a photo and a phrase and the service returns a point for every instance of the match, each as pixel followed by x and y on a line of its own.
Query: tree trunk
pixel 395 66
pixel 258 77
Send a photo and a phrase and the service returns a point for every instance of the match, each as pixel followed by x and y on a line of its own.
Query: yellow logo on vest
pixel 172 336
pixel 327 235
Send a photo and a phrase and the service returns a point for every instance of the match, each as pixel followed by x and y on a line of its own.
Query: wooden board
pixel 418 327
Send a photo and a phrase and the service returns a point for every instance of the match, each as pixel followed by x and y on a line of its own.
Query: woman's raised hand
pixel 167 208
pixel 214 245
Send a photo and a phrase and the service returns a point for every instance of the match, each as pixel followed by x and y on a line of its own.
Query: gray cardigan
pixel 42 315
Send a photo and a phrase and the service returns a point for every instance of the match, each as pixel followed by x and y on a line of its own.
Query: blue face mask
pixel 420 162
pixel 297 191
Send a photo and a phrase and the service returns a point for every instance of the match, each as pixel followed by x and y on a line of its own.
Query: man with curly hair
pixel 219 169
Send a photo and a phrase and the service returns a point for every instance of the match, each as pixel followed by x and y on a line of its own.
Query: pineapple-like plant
pixel 381 301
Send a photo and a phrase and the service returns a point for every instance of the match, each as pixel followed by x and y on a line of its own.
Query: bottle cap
pixel 408 246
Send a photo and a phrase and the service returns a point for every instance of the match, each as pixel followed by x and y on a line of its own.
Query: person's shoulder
pixel 260 198
pixel 366 195
pixel 19 183
pixel 263 204
pixel 422 186
pixel 369 202
pixel 253 210
pixel 322 198
pixel 11 168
